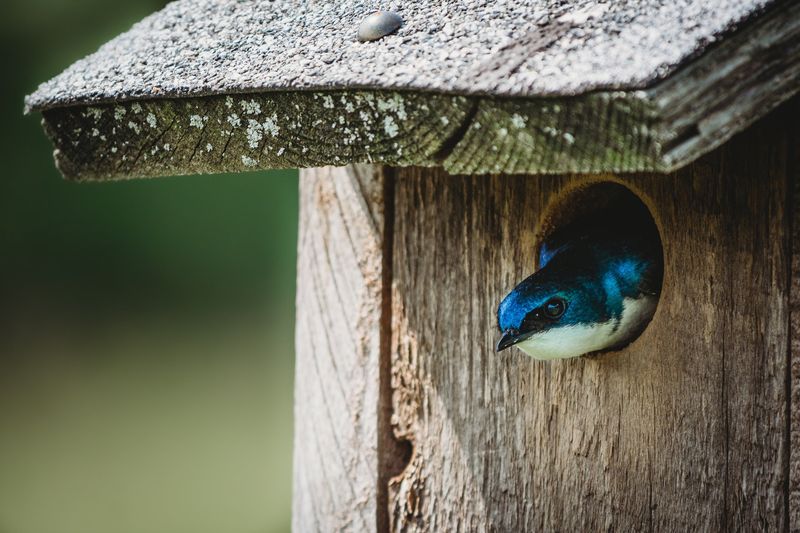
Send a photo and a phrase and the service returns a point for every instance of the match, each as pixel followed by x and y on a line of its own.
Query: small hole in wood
pixel 406 450
pixel 626 259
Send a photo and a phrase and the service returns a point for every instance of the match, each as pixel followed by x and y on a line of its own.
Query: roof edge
pixel 658 129
pixel 543 36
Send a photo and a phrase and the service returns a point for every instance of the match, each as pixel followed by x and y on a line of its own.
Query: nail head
pixel 379 25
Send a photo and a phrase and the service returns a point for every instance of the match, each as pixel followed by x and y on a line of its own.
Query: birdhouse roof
pixel 530 86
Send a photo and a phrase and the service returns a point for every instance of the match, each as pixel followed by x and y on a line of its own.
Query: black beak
pixel 510 338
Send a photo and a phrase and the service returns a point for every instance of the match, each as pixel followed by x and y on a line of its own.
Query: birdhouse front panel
pixel 694 410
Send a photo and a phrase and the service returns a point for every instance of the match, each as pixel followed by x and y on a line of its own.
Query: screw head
pixel 379 25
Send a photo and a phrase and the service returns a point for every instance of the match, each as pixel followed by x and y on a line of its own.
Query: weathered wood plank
pixel 793 172
pixel 686 429
pixel 704 104
pixel 249 132
pixel 338 374
pixel 602 132
pixel 660 128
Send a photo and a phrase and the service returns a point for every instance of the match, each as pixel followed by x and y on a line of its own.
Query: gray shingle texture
pixel 501 47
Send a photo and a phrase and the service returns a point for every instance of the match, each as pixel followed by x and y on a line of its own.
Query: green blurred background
pixel 146 350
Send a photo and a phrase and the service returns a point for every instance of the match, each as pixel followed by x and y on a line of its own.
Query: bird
pixel 596 289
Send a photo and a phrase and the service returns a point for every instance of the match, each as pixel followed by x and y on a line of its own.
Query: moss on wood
pixel 601 132
pixel 598 133
pixel 248 132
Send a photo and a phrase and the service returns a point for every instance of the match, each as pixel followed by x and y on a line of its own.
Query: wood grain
pixel 686 429
pixel 245 132
pixel 793 171
pixel 338 345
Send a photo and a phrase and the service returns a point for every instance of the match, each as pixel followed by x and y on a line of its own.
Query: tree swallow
pixel 596 289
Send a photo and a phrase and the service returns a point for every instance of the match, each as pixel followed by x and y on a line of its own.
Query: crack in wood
pixel 449 144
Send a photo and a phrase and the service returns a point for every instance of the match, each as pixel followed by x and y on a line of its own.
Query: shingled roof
pixel 474 85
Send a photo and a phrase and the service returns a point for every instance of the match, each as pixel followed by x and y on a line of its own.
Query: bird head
pixel 588 297
pixel 552 316
pixel 596 289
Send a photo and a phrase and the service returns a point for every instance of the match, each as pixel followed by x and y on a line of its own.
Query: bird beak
pixel 509 338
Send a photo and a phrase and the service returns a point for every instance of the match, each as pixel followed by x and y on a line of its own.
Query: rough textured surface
pixel 337 388
pixel 239 133
pixel 660 128
pixel 689 428
pixel 506 47
pixel 685 430
pixel 793 171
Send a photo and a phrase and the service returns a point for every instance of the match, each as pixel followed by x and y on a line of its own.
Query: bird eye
pixel 555 308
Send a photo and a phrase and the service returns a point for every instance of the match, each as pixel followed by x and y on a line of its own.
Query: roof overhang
pixel 502 87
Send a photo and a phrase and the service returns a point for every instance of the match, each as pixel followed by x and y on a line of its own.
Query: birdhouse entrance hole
pixel 612 208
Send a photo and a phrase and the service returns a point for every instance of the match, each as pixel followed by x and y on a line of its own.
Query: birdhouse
pixel 443 144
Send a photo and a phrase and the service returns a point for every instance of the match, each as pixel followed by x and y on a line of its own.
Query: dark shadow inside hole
pixel 405 449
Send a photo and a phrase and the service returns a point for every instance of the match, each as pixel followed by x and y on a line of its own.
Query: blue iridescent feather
pixel 591 269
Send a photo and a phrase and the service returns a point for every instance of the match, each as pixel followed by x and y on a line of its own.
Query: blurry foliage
pixel 168 239
pixel 145 326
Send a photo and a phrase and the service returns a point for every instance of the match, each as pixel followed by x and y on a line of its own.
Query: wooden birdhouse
pixel 441 143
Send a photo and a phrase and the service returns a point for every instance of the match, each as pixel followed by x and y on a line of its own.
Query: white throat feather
pixel 580 339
